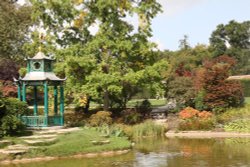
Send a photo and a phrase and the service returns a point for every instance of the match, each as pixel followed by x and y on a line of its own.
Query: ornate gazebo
pixel 40 73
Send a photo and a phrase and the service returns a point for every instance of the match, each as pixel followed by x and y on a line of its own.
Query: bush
pixel 11 109
pixel 131 116
pixel 75 119
pixel 101 118
pixel 193 119
pixel 181 89
pixel 220 93
pixel 144 107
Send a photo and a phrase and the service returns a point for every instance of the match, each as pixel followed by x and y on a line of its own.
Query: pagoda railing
pixel 42 121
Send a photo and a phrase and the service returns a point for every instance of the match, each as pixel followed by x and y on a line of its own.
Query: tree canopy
pixel 113 63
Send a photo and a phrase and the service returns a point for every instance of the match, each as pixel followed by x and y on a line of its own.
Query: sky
pixel 195 18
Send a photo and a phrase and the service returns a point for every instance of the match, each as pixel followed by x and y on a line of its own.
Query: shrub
pixel 181 89
pixel 74 119
pixel 193 119
pixel 101 118
pixel 188 113
pixel 144 107
pixel 131 116
pixel 11 109
pixel 219 92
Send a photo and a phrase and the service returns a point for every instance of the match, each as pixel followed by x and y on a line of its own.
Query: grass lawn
pixel 154 102
pixel 247 100
pixel 80 142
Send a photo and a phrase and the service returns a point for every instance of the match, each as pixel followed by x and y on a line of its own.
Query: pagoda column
pixel 19 94
pixel 62 104
pixel 46 103
pixel 35 101
pixel 24 92
pixel 55 100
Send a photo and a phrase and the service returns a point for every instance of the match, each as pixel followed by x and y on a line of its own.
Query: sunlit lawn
pixel 247 100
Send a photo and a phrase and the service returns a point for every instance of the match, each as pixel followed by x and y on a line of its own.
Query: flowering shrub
pixel 205 114
pixel 193 119
pixel 188 113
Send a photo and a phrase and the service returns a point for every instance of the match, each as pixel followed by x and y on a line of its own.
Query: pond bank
pixel 85 155
pixel 205 134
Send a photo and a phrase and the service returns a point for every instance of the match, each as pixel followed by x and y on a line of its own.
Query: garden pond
pixel 170 152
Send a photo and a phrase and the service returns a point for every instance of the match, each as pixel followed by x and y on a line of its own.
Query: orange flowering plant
pixel 193 119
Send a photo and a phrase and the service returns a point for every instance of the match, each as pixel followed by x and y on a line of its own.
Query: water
pixel 229 152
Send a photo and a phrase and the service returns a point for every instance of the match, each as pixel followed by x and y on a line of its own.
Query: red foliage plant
pixel 182 72
pixel 220 93
pixel 8 89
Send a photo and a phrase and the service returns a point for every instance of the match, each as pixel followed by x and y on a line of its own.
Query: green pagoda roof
pixel 40 56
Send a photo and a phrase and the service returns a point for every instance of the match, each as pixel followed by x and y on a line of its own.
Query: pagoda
pixel 40 74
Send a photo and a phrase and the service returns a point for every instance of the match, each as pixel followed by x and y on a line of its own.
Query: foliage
pixel 8 69
pixel 237 36
pixel 112 64
pixel 11 109
pixel 147 129
pixel 193 119
pixel 219 93
pixel 123 130
pixel 144 107
pixel 8 89
pixel 188 113
pixel 181 89
pixel 131 116
pixel 75 119
pixel 234 114
pixel 14 25
pixel 100 118
pixel 199 100
pixel 242 125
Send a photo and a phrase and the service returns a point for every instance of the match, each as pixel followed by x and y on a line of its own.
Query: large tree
pixel 233 39
pixel 112 64
pixel 14 24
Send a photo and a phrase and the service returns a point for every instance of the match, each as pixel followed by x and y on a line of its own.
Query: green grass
pixel 80 142
pixel 247 100
pixel 154 102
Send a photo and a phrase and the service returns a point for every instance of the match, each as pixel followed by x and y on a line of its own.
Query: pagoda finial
pixel 41 39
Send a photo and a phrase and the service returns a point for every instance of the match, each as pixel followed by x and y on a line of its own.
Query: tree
pixel 113 64
pixel 181 89
pixel 233 39
pixel 184 43
pixel 14 24
pixel 218 93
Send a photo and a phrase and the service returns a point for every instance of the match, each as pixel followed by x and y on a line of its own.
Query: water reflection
pixel 229 152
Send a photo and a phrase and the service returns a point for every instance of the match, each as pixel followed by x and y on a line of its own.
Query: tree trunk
pixel 106 100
